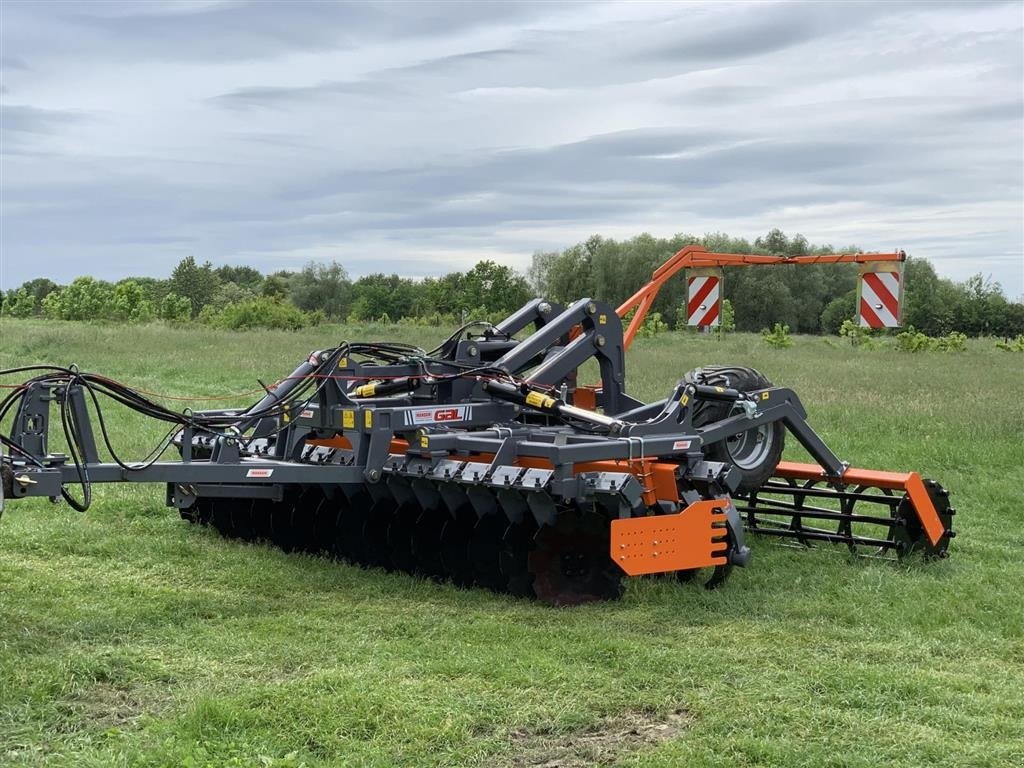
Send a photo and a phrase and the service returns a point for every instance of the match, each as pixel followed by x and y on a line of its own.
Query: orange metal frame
pixel 909 482
pixel 693 256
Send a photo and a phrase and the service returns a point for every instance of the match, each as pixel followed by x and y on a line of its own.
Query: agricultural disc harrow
pixel 484 462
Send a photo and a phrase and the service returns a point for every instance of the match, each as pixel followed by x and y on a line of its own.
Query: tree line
pixel 807 298
pixel 241 296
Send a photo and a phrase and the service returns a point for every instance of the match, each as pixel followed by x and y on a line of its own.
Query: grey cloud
pixel 452 63
pixel 280 97
pixel 257 29
pixel 21 124
pixel 381 84
pixel 776 27
pixel 12 62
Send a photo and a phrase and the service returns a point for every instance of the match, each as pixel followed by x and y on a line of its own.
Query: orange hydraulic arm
pixel 696 256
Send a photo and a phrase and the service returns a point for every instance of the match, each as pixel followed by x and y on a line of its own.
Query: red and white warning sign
pixel 880 300
pixel 704 300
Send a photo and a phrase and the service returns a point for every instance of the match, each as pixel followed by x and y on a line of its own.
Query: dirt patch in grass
pixel 107 705
pixel 602 744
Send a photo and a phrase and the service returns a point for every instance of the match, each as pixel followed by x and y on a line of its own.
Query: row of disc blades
pixel 383 526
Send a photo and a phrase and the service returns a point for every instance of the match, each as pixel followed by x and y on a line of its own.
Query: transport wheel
pixel 755 452
pixel 570 562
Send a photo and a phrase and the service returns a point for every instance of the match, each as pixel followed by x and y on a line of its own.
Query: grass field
pixel 129 638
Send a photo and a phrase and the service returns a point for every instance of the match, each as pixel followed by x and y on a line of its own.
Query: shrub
pixel 778 336
pixel 129 303
pixel 175 308
pixel 19 303
pixel 652 325
pixel 85 299
pixel 728 317
pixel 859 336
pixel 912 340
pixel 260 312
pixel 1012 345
pixel 951 342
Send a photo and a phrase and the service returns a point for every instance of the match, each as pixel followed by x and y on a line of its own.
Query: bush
pixel 778 336
pixel 19 303
pixel 728 317
pixel 859 336
pixel 129 303
pixel 1012 345
pixel 913 341
pixel 260 312
pixel 952 342
pixel 85 299
pixel 175 308
pixel 652 325
pixel 837 313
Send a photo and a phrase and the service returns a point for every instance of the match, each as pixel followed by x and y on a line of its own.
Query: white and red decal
pixel 307 414
pixel 880 300
pixel 259 473
pixel 436 415
pixel 703 305
pixel 680 445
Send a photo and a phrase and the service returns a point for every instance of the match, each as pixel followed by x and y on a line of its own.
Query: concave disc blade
pixel 220 517
pixel 325 521
pixel 198 513
pixel 514 556
pixel 351 521
pixel 282 526
pixel 263 519
pixel 375 534
pixel 570 562
pixel 484 551
pixel 400 538
pixel 455 538
pixel 426 542
pixel 241 519
pixel 304 527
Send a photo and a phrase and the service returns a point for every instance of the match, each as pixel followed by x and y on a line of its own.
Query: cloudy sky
pixel 420 138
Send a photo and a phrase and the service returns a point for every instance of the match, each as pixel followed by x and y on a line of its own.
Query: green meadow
pixel 128 638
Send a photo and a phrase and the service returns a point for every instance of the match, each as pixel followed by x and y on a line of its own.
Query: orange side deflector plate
pixel 693 538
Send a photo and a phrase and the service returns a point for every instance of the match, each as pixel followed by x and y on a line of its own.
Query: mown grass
pixel 128 638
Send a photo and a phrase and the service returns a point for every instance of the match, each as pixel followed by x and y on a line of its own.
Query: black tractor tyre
pixel 756 452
